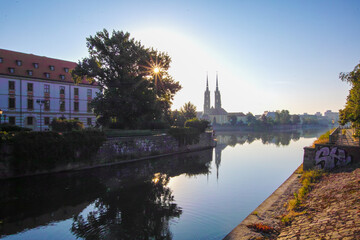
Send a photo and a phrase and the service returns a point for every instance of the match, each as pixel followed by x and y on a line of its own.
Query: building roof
pixel 217 111
pixel 47 68
pixel 237 114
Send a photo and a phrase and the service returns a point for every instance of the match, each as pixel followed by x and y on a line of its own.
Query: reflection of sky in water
pixel 248 174
pixel 241 176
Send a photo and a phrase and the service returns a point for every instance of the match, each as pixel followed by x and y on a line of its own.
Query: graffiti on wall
pixel 327 158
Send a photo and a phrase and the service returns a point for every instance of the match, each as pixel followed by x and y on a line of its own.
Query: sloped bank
pixel 113 151
pixel 268 211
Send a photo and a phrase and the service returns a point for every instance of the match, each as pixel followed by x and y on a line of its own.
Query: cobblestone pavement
pixel 347 139
pixel 332 209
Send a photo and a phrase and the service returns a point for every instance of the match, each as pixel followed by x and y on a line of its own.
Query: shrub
pixel 260 227
pixel 185 135
pixel 201 125
pixel 324 138
pixel 64 125
pixel 12 128
pixel 44 150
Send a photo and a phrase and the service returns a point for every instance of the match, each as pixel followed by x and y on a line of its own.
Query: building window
pixel 11 85
pixel 1 60
pixel 36 65
pixel 62 77
pixel 46 88
pixel 89 107
pixel 62 90
pixel 47 75
pixel 46 120
pixel 11 103
pixel 76 91
pixel 30 72
pixel 30 87
pixel 47 105
pixel 18 62
pixel 51 67
pixel 89 123
pixel 11 70
pixel 30 104
pixel 76 106
pixel 66 69
pixel 12 120
pixel 29 120
pixel 89 93
pixel 62 106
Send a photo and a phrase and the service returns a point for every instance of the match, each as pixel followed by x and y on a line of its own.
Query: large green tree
pixel 136 88
pixel 351 112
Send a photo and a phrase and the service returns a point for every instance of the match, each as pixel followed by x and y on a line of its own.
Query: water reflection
pixel 122 202
pixel 136 201
pixel 232 138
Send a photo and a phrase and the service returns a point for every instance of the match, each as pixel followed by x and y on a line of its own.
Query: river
pixel 200 195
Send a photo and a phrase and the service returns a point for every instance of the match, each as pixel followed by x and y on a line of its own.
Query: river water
pixel 200 195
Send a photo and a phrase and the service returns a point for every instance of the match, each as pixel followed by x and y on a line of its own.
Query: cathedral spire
pixel 217 84
pixel 207 97
pixel 207 82
pixel 217 94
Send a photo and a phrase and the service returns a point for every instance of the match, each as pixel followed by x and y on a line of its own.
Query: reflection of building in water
pixel 218 149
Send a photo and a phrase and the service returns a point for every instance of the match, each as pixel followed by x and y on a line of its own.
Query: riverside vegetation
pixel 69 142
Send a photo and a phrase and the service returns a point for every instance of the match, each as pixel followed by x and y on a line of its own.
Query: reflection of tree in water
pixel 277 138
pixel 140 212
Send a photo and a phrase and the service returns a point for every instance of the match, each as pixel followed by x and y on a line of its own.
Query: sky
pixel 269 55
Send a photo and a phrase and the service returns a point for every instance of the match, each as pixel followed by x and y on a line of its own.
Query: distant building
pixel 32 85
pixel 270 114
pixel 240 116
pixel 216 115
pixel 318 114
pixel 333 116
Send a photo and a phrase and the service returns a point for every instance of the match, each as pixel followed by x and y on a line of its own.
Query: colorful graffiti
pixel 327 158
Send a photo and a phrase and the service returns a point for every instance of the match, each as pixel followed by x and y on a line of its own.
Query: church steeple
pixel 217 94
pixel 207 97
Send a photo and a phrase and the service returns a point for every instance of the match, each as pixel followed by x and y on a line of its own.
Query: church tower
pixel 217 94
pixel 207 97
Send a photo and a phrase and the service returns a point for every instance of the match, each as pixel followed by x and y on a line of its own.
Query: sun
pixel 156 70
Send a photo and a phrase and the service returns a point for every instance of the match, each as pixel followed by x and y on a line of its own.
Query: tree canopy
pixel 132 95
pixel 351 112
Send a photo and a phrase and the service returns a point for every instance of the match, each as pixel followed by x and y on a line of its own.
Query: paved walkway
pixel 347 139
pixel 332 209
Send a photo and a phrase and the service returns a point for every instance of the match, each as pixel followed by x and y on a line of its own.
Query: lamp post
pixel 41 102
pixel 1 112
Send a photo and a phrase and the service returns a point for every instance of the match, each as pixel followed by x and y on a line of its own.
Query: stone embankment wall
pixel 115 151
pixel 328 156
pixel 139 147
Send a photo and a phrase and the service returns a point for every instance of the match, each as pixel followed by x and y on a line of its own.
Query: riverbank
pixel 330 211
pixel 268 212
pixel 116 150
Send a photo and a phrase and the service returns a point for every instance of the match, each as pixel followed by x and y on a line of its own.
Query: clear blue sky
pixel 269 54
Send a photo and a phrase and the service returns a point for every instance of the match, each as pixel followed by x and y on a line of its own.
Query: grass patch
pixel 308 179
pixel 323 139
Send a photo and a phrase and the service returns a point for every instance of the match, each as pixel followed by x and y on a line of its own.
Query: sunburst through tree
pixel 154 69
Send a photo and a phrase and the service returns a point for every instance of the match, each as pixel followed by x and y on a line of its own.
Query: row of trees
pixel 281 118
pixel 351 112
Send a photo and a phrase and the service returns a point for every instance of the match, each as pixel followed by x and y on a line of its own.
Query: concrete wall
pixel 328 156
